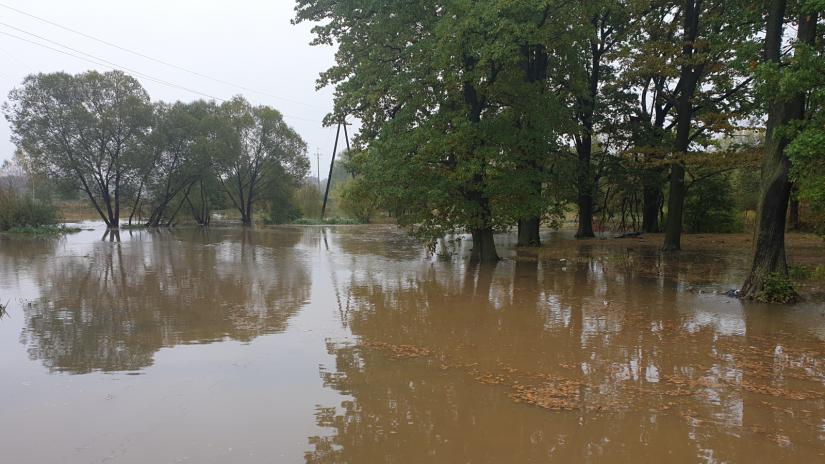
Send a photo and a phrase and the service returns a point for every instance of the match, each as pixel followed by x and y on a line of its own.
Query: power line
pixel 156 60
pixel 104 62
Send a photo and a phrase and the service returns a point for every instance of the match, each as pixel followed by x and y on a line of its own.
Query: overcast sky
pixel 250 43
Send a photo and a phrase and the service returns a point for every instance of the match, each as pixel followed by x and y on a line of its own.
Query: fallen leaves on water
pixel 400 351
pixel 562 395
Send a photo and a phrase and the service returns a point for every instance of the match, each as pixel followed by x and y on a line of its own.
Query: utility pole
pixel 332 161
pixel 318 165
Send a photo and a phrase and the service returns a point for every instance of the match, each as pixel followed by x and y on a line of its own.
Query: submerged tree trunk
pixel 484 248
pixel 136 204
pixel 775 189
pixel 651 203
pixel 585 185
pixel 528 232
pixel 675 207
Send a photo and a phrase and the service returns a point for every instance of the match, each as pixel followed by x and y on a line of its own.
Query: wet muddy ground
pixel 351 344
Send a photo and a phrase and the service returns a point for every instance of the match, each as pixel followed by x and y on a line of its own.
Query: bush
pixel 745 188
pixel 776 288
pixel 281 207
pixel 357 201
pixel 308 198
pixel 21 211
pixel 710 207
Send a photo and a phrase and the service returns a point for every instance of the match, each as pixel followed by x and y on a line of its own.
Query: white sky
pixel 246 42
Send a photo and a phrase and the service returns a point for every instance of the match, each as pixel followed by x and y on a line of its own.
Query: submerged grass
pixel 326 221
pixel 43 231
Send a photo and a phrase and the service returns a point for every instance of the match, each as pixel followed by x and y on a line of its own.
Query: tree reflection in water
pixel 114 307
pixel 660 372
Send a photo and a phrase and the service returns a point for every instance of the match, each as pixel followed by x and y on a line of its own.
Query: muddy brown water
pixel 351 344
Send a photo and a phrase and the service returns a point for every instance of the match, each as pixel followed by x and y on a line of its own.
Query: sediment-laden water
pixel 351 344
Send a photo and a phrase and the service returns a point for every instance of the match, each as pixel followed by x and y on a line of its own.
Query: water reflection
pixel 113 306
pixel 588 352
pixel 609 359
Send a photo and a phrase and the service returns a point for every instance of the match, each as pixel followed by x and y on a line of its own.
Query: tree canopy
pixel 100 133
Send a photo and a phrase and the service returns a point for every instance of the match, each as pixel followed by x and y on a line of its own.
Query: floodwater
pixel 351 344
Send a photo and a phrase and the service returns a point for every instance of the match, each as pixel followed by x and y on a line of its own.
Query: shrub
pixel 308 198
pixel 357 201
pixel 776 288
pixel 21 211
pixel 710 207
pixel 281 207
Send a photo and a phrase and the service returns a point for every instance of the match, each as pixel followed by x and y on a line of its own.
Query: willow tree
pixel 183 149
pixel 258 151
pixel 787 82
pixel 440 89
pixel 88 129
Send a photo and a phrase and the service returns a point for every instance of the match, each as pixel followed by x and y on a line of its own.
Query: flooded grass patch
pixel 43 231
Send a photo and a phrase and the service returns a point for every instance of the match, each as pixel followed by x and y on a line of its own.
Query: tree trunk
pixel 651 202
pixel 775 189
pixel 246 217
pixel 688 81
pixel 585 185
pixel 528 232
pixel 136 205
pixel 675 207
pixel 587 108
pixel 116 219
pixel 484 248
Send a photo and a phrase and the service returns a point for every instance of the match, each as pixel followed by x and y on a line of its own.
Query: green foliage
pixel 452 105
pixel 261 157
pixel 745 185
pixel 279 194
pixel 99 133
pixel 357 201
pixel 21 211
pixel 88 129
pixel 802 273
pixel 776 288
pixel 710 207
pixel 807 154
pixel 307 199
